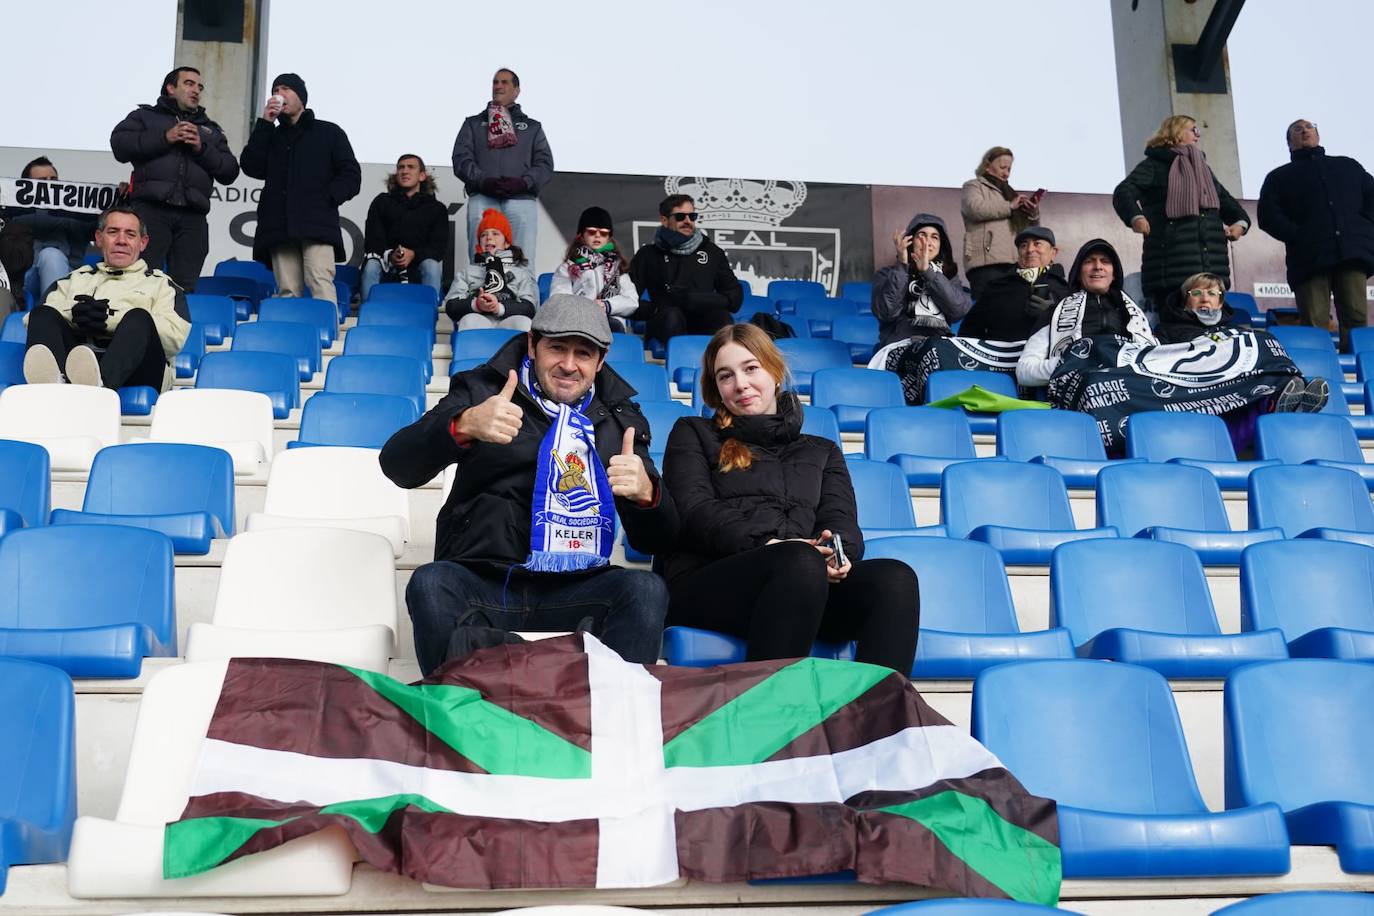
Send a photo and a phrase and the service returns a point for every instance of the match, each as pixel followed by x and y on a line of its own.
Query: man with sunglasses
pixel 692 289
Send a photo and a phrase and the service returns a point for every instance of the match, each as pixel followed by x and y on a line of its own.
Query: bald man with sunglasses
pixel 692 289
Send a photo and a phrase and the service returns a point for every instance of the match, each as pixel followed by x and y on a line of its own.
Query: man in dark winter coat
pixel 308 170
pixel 178 154
pixel 692 289
pixel 406 230
pixel 1322 208
pixel 1012 304
pixel 531 432
pixel 503 159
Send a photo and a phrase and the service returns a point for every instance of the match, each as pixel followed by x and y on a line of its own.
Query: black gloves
pixel 503 187
pixel 89 314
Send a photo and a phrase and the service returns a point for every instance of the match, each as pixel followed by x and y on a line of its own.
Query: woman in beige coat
pixel 993 214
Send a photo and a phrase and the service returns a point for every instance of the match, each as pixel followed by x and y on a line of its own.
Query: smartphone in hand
pixel 1038 196
pixel 837 559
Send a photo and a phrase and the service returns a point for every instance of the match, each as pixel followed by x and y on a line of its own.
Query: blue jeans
pixel 431 274
pixel 523 216
pixel 627 607
pixel 49 266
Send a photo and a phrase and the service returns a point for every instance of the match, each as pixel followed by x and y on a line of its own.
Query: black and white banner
pixel 914 363
pixel 1112 378
pixel 74 196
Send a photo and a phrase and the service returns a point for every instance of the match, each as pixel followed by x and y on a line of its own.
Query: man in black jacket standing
pixel 1322 208
pixel 406 230
pixel 178 154
pixel 549 448
pixel 308 169
pixel 692 289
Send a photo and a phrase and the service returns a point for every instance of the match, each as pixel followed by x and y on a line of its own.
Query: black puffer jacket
pixel 797 487
pixel 695 282
pixel 173 173
pixel 1175 249
pixel 1322 208
pixel 486 520
pixel 1007 312
pixel 308 169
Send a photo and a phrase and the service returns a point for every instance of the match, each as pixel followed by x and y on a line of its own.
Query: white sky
pixel 864 91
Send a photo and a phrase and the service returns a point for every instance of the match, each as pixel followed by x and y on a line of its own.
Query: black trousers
pixel 177 237
pixel 133 354
pixel 778 599
pixel 668 321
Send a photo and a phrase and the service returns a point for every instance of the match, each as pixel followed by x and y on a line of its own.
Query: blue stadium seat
pixel 15 331
pixel 1316 592
pixel 1312 438
pixel 187 360
pixel 406 292
pixel 1171 502
pixel 684 358
pixel 343 299
pixel 968 622
pixel 1362 341
pixel 697 648
pixel 243 290
pixel 1066 440
pixel 746 286
pixel 37 764
pixel 968 906
pixel 817 421
pixel 922 441
pixel 1248 307
pixel 1364 360
pixel 625 348
pixel 1194 439
pixel 860 332
pixel 350 276
pixel 481 343
pixel 274 374
pixel 1302 903
pixel 25 485
pixel 1302 337
pixel 1147 603
pixel 755 305
pixel 392 375
pixel 1305 501
pixel 11 364
pixel 851 393
pixel 358 420
pixel 256 271
pixel 1020 509
pixel 213 313
pixel 393 340
pixel 183 491
pixel 296 339
pixel 319 314
pixel 545 283
pixel 859 291
pixel 793 289
pixel 647 379
pixel 462 365
pixel 137 400
pixel 1105 741
pixel 97 625
pixel 1300 735
pixel 813 315
pixel 805 356
pixel 882 497
pixel 949 382
pixel 403 312
pixel 662 415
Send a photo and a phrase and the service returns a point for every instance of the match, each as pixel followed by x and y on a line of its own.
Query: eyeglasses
pixel 1195 130
pixel 684 217
pixel 1204 294
pixel 590 231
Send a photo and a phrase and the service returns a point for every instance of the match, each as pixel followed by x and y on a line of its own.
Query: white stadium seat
pixel 72 422
pixel 240 422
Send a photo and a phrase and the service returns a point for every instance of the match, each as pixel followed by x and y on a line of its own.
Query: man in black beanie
pixel 308 168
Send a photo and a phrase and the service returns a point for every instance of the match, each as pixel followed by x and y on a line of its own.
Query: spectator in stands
pixel 1012 304
pixel 1322 208
pixel 503 159
pixel 16 257
pixel 308 170
pixel 1198 307
pixel 116 323
pixel 499 423
pixel 497 289
pixel 406 230
pixel 692 289
pixel 60 237
pixel 596 268
pixel 1187 217
pixel 762 507
pixel 178 154
pixel 919 296
pixel 1095 305
pixel 993 215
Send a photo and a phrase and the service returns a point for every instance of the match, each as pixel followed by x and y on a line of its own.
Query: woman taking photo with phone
pixel 994 213
pixel 770 548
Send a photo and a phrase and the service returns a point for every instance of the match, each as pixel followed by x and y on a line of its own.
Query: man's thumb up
pixel 512 381
pixel 627 445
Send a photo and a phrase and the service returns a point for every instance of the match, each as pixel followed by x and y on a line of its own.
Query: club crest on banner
pixel 1193 365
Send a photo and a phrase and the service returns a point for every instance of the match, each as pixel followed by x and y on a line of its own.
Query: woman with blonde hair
pixel 994 213
pixel 1187 217
pixel 769 548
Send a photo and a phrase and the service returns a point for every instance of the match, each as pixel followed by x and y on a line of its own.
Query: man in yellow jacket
pixel 117 323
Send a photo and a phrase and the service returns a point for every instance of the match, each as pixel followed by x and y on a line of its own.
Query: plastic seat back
pixel 648 380
pixel 1306 903
pixel 72 421
pixel 400 376
pixel 817 421
pixel 1006 493
pixel 806 356
pixel 756 305
pixel 1134 497
pixel 1302 337
pixel 318 313
pixel 162 478
pixel 25 481
pixel 214 313
pixel 881 493
pixel 406 292
pixel 794 289
pixel 1298 498
pixel 1294 438
pixel 949 382
pixel 273 374
pixel 661 416
pixel 391 340
pixel 480 343
pixel 11 363
pixel 625 348
pixel 964 586
pixel 1026 434
pixel 861 388
pixel 14 329
pixel 405 313
pixel 37 763
pixel 1099 735
pixel 209 416
pixel 859 331
pixel 332 483
pixel 1300 732
pixel 858 291
pixel 822 310
pixel 256 271
pixel 545 283
pixel 359 420
pixel 928 431
pixel 296 339
pixel 684 352
pixel 1160 435
pixel 1129 583
pixel 1307 584
pixel 1323 362
pixel 245 289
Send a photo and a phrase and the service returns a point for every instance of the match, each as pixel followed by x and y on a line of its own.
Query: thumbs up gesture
pixel 496 419
pixel 627 475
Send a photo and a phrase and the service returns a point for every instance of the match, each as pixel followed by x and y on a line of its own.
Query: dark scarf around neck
pixel 768 429
pixel 1008 193
pixel 672 241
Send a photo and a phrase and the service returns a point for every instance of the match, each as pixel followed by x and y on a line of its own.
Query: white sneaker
pixel 40 366
pixel 83 368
